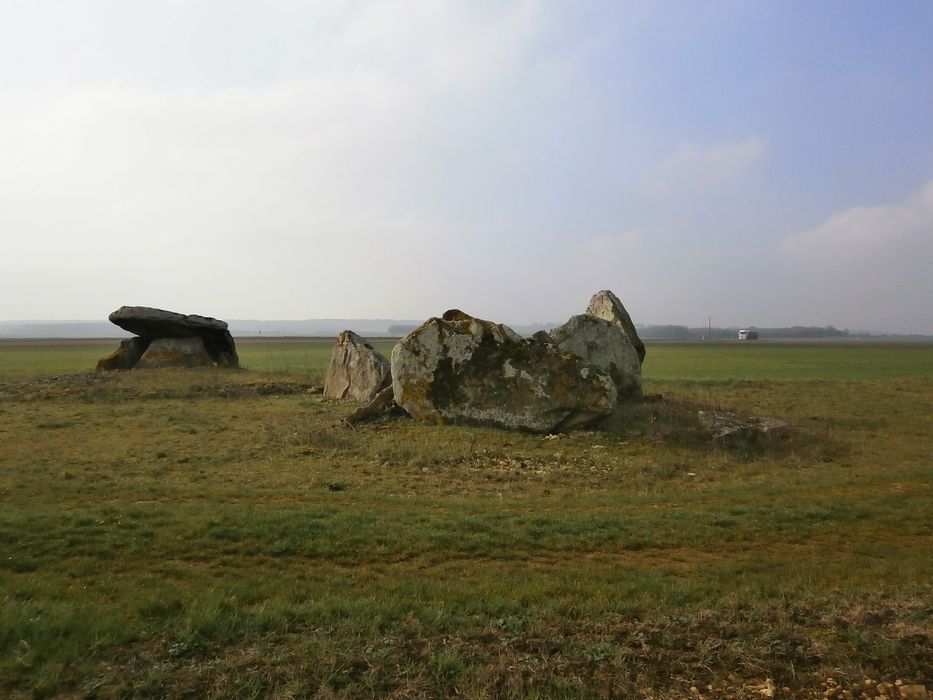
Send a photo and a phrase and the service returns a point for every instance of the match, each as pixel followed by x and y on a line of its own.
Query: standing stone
pixel 175 352
pixel 357 370
pixel 601 343
pixel 605 304
pixel 461 369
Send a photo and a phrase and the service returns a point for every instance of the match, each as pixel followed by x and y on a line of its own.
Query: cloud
pixel 695 167
pixel 860 234
pixel 867 267
pixel 611 245
pixel 356 159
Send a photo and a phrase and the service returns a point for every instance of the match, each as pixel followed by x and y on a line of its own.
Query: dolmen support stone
pixel 169 339
pixel 357 371
pixel 461 369
pixel 127 355
pixel 175 352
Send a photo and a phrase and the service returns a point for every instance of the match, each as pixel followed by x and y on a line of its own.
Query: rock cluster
pixel 169 339
pixel 460 369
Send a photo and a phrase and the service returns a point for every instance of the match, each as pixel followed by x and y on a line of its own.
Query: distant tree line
pixel 673 332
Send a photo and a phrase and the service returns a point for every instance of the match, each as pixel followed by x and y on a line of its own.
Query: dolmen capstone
pixel 357 371
pixel 169 339
pixel 461 369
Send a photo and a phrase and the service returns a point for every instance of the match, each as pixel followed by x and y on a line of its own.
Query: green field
pixel 225 534
pixel 669 361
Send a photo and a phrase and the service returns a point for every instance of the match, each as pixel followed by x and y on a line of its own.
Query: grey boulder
pixel 461 369
pixel 606 305
pixel 175 352
pixel 357 371
pixel 601 343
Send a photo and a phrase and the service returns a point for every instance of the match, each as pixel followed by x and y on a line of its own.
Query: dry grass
pixel 224 534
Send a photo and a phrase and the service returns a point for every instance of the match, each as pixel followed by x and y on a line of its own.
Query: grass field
pixel 225 534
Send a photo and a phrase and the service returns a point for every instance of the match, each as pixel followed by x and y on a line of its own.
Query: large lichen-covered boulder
pixel 461 369
pixel 601 343
pixel 357 371
pixel 126 356
pixel 175 352
pixel 605 304
pixel 152 323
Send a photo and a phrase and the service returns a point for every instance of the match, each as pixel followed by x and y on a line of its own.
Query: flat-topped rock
pixel 158 323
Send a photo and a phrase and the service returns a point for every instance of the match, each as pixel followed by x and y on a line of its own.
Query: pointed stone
pixel 605 304
pixel 357 371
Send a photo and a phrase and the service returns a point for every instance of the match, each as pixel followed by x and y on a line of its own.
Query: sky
pixel 755 162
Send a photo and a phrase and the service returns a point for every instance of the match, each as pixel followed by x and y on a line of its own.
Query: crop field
pixel 224 533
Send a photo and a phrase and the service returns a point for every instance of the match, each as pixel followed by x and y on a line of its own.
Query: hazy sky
pixel 763 163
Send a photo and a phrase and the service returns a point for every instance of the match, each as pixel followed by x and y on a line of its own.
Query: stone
pixel 153 323
pixel 723 425
pixel 606 305
pixel 126 356
pixel 601 343
pixel 382 404
pixel 461 369
pixel 357 370
pixel 175 352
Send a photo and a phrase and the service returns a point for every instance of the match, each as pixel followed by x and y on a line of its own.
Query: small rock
pixel 724 425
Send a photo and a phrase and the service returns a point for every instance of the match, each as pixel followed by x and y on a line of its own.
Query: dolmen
pixel 460 369
pixel 169 339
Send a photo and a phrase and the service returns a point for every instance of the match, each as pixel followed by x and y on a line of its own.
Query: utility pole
pixel 709 327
